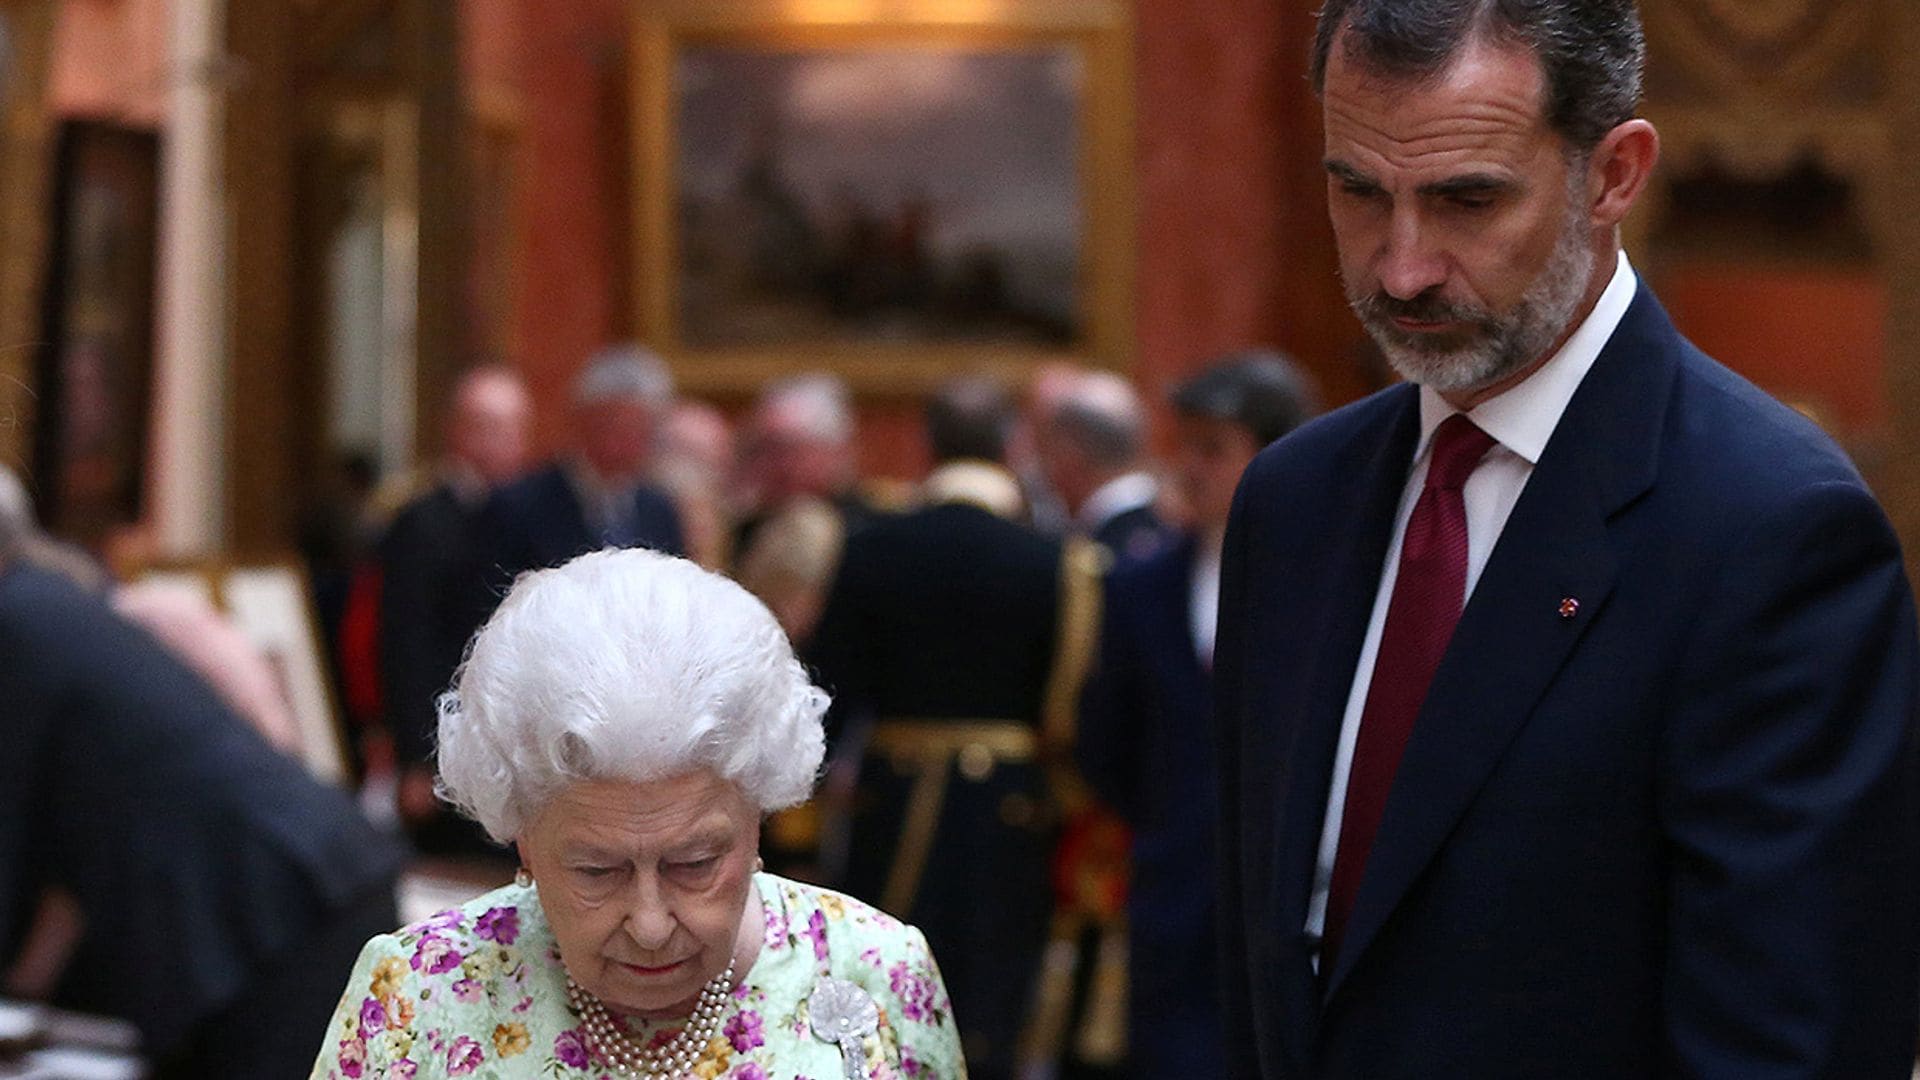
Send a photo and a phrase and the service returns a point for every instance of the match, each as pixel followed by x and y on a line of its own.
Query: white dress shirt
pixel 1521 419
pixel 1123 493
pixel 1203 596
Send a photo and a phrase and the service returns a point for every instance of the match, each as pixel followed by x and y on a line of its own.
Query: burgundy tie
pixel 1427 597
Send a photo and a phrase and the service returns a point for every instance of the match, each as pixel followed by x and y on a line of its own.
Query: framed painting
pixel 96 347
pixel 892 191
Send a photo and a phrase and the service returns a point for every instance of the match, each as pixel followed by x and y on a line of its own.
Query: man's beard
pixel 1490 347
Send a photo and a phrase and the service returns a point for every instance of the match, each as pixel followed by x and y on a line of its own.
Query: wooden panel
pixel 25 172
pixel 443 340
pixel 269 427
pixel 1899 231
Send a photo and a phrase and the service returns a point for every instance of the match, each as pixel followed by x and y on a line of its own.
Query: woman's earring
pixel 523 877
pixel 759 864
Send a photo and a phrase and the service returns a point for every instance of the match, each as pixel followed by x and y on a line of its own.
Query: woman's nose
pixel 650 920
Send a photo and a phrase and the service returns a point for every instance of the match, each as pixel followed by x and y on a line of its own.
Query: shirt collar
pixel 976 483
pixel 1128 491
pixel 1522 417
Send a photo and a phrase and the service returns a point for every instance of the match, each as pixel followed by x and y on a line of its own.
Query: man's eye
pixel 1471 202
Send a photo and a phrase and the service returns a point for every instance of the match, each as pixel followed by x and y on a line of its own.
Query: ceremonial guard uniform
pixel 954 641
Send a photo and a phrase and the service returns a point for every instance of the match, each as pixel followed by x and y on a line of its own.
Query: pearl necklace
pixel 671 1060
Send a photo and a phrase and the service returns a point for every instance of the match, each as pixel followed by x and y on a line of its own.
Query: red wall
pixel 1212 142
pixel 573 199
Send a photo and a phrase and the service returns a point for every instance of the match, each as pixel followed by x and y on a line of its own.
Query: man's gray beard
pixel 1498 346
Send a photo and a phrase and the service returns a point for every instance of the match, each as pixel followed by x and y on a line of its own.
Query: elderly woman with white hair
pixel 626 720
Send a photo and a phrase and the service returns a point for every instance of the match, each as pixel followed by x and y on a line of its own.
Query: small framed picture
pixel 270 605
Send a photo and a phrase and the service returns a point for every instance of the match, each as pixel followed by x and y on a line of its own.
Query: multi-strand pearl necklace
pixel 671 1060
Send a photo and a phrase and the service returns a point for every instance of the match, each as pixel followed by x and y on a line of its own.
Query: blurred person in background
pixel 598 494
pixel 640 936
pixel 800 466
pixel 945 641
pixel 694 463
pixel 1145 741
pixel 1091 448
pixel 214 891
pixel 1049 387
pixel 184 623
pixel 429 561
pixel 800 445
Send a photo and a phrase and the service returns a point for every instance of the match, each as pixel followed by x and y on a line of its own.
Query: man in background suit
pixel 1145 742
pixel 1567 694
pixel 428 560
pixel 1090 447
pixel 597 495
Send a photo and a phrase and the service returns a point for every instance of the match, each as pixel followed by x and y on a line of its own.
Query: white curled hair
pixel 626 665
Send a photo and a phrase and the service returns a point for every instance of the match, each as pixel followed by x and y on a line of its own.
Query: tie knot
pixel 1458 446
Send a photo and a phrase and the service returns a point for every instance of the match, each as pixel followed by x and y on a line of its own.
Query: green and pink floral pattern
pixel 480 992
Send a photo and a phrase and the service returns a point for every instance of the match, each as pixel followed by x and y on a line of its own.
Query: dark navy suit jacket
pixel 199 856
pixel 1667 830
pixel 1146 745
pixel 537 522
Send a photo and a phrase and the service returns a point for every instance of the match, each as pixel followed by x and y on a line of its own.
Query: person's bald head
pixel 1095 433
pixel 1052 384
pixel 487 426
pixel 695 432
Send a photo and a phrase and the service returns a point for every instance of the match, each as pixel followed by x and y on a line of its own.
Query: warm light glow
pixel 922 11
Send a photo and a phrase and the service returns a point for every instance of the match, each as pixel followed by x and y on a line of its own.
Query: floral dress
pixel 480 992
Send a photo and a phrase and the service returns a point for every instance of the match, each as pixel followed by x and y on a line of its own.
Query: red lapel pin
pixel 1569 608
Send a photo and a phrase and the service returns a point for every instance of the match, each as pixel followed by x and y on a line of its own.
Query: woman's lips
pixel 642 969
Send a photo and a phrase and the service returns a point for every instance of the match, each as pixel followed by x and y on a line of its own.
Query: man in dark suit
pixel 223 892
pixel 1090 447
pixel 597 495
pixel 1567 697
pixel 428 560
pixel 1145 742
pixel 938 642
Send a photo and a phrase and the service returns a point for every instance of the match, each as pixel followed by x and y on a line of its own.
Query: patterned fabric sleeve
pixel 372 1032
pixel 916 1003
pixel 443 998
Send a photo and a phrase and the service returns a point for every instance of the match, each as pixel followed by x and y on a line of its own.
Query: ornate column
pixel 188 482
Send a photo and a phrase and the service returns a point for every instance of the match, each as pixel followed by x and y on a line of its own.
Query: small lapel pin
pixel 1569 607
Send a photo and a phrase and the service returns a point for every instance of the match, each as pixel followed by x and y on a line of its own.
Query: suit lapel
pixel 1359 524
pixel 1515 633
pixel 1172 621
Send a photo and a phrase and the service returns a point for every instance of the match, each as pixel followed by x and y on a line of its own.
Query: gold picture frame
pixel 1044 286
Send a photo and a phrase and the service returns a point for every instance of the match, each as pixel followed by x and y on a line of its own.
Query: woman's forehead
pixel 624 814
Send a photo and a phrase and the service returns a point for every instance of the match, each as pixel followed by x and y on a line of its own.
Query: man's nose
pixel 1410 263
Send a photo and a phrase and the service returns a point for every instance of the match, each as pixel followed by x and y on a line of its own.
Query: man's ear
pixel 1618 170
